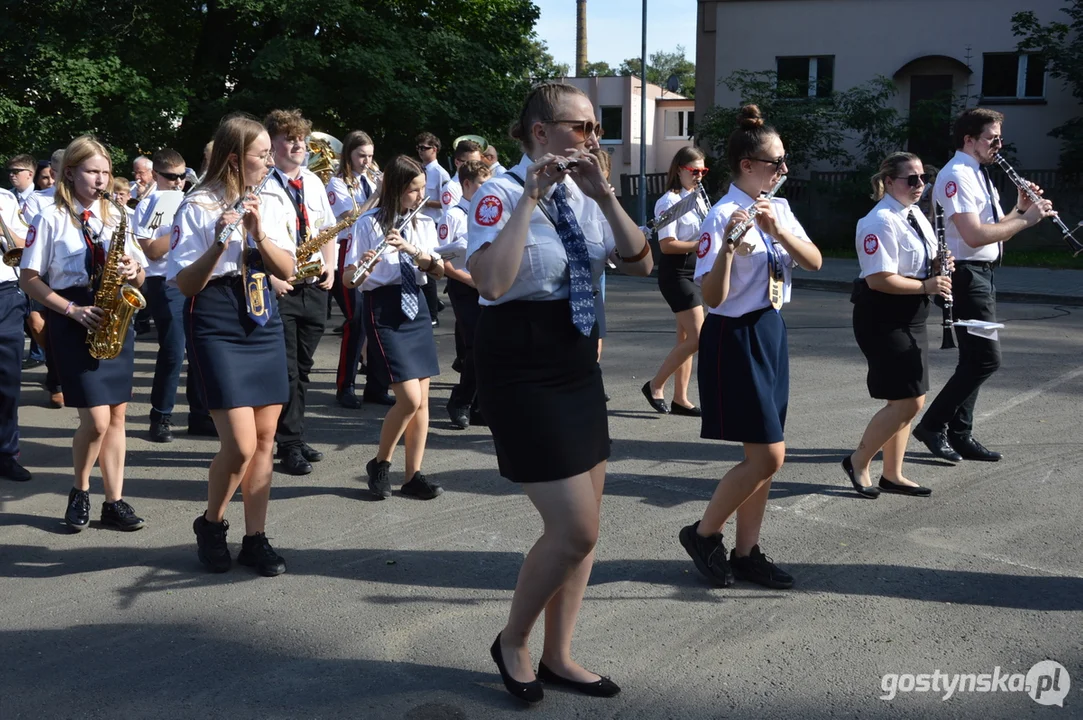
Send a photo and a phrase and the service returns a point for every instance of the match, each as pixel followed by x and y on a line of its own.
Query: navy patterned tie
pixel 409 287
pixel 581 290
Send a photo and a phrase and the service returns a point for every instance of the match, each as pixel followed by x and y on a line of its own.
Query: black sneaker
pixel 256 551
pixel 759 569
pixel 211 539
pixel 708 553
pixel 460 418
pixel 310 453
pixel 422 488
pixel 293 461
pixel 78 515
pixel 161 430
pixel 379 482
pixel 121 516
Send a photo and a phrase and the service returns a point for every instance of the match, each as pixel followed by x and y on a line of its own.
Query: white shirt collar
pixel 967 160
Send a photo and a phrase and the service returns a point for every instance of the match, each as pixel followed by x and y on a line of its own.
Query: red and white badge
pixel 872 244
pixel 446 197
pixel 176 238
pixel 31 235
pixel 331 197
pixel 489 211
pixel 443 231
pixel 349 241
pixel 951 188
pixel 704 246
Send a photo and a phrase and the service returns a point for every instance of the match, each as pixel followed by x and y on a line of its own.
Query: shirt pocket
pixel 544 258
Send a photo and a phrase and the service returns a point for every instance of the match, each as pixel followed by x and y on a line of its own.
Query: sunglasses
pixel 698 172
pixel 16 171
pixel 426 147
pixel 997 140
pixel 172 177
pixel 915 179
pixel 777 163
pixel 583 128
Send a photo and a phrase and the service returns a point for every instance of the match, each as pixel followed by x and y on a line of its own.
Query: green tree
pixel 1060 45
pixel 661 65
pixel 599 69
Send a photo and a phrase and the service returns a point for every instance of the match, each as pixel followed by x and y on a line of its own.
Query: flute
pixel 382 245
pixel 1019 182
pixel 223 237
pixel 942 251
pixel 742 227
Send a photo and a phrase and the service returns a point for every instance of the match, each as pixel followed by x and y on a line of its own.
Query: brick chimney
pixel 581 38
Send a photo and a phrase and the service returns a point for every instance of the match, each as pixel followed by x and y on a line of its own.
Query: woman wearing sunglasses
pixel 896 247
pixel 676 268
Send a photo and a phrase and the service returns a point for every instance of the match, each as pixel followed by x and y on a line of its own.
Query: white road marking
pixel 1031 394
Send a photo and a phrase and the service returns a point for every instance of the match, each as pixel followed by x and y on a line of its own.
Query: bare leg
pixel 407 402
pixel 87 443
pixel 750 519
pixel 691 321
pixel 890 419
pixel 743 480
pixel 687 344
pixel 111 457
pixel 895 449
pixel 256 481
pixel 237 435
pixel 417 431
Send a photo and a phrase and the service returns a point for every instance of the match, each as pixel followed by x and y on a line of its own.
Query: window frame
pixel 1021 67
pixel 684 114
pixel 814 76
pixel 608 139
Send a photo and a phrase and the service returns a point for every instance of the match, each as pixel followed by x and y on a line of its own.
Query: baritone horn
pixel 13 254
pixel 324 155
pixel 256 285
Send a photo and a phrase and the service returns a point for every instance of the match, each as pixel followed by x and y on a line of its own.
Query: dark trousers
pixel 432 298
pixel 12 315
pixel 304 317
pixel 353 337
pixel 166 305
pixel 974 297
pixel 464 301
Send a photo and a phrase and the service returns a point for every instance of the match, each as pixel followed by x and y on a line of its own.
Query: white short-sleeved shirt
pixel 344 199
pixel 886 242
pixel 37 202
pixel 686 227
pixel 56 249
pixel 9 211
pixel 367 234
pixel 452 234
pixel 435 177
pixel 497 169
pixel 451 194
pixel 543 272
pixel 749 274
pixel 319 210
pixel 960 188
pixel 149 227
pixel 194 232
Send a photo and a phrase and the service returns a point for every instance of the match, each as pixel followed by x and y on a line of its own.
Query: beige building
pixel 927 47
pixel 617 100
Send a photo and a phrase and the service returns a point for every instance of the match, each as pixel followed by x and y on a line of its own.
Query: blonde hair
pixel 121 184
pixel 889 168
pixel 539 107
pixel 80 150
pixel 233 136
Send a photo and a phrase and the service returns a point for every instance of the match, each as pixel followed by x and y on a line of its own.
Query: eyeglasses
pixel 16 171
pixel 268 156
pixel 698 172
pixel 426 147
pixel 583 128
pixel 996 140
pixel 777 163
pixel 914 180
pixel 174 177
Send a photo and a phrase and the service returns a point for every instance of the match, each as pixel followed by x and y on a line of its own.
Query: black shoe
pixel 436 322
pixel 338 329
pixel 460 418
pixel 310 453
pixel 708 553
pixel 293 461
pixel 530 692
pixel 211 540
pixel 379 482
pixel 440 306
pixel 914 490
pixel 31 363
pixel 121 516
pixel 385 398
pixel 868 492
pixel 457 365
pixel 348 400
pixel 256 551
pixel 12 470
pixel 759 569
pixel 970 449
pixel 142 328
pixel 201 427
pixel 476 419
pixel 422 488
pixel 658 405
pixel 78 515
pixel 937 442
pixel 603 687
pixel 161 429
pixel 607 398
pixel 675 409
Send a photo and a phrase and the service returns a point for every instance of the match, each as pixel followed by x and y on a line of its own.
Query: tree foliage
pixel 661 65
pixel 1060 44
pixel 599 69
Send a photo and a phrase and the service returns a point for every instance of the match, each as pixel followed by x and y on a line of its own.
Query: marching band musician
pixel 21 171
pixel 897 251
pixel 452 191
pixel 975 229
pixel 302 306
pixel 31 208
pixel 234 333
pixel 402 348
pixel 491 156
pixel 68 244
pixel 744 374
pixel 462 404
pixel 12 312
pixel 676 268
pixel 537 246
pixel 353 187
pixel 436 177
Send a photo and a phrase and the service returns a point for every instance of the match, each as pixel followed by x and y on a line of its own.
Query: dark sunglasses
pixel 777 163
pixel 172 177
pixel 425 147
pixel 698 172
pixel 583 128
pixel 915 179
pixel 16 171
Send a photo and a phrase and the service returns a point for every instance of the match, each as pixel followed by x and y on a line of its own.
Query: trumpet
pixel 13 254
pixel 223 237
pixel 1075 245
pixel 367 266
pixel 741 228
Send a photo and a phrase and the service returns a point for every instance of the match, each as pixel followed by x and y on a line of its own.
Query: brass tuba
pixel 324 153
pixel 116 298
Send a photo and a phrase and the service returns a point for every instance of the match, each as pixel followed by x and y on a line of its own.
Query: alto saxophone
pixel 116 298
pixel 309 269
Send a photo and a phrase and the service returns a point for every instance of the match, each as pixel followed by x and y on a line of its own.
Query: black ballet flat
pixel 692 411
pixel 659 405
pixel 870 492
pixel 603 687
pixel 530 692
pixel 912 490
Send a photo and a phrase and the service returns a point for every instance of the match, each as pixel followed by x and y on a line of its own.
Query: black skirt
pixel 399 349
pixel 236 361
pixel 890 330
pixel 540 390
pixel 744 377
pixel 87 382
pixel 675 273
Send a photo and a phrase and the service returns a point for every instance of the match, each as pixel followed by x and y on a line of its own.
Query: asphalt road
pixel 388 609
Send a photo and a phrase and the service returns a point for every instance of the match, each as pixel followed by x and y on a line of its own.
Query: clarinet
pixel 1075 245
pixel 223 237
pixel 942 251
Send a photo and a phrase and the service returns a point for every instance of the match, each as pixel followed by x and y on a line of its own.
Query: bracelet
pixel 638 256
pixel 259 240
pixel 67 310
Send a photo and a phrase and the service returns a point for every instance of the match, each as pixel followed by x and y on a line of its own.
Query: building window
pixel 1011 75
pixel 680 124
pixel 800 77
pixel 613 124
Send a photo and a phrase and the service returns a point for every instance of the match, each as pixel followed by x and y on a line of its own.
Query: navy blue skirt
pixel 399 349
pixel 236 362
pixel 744 377
pixel 87 382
